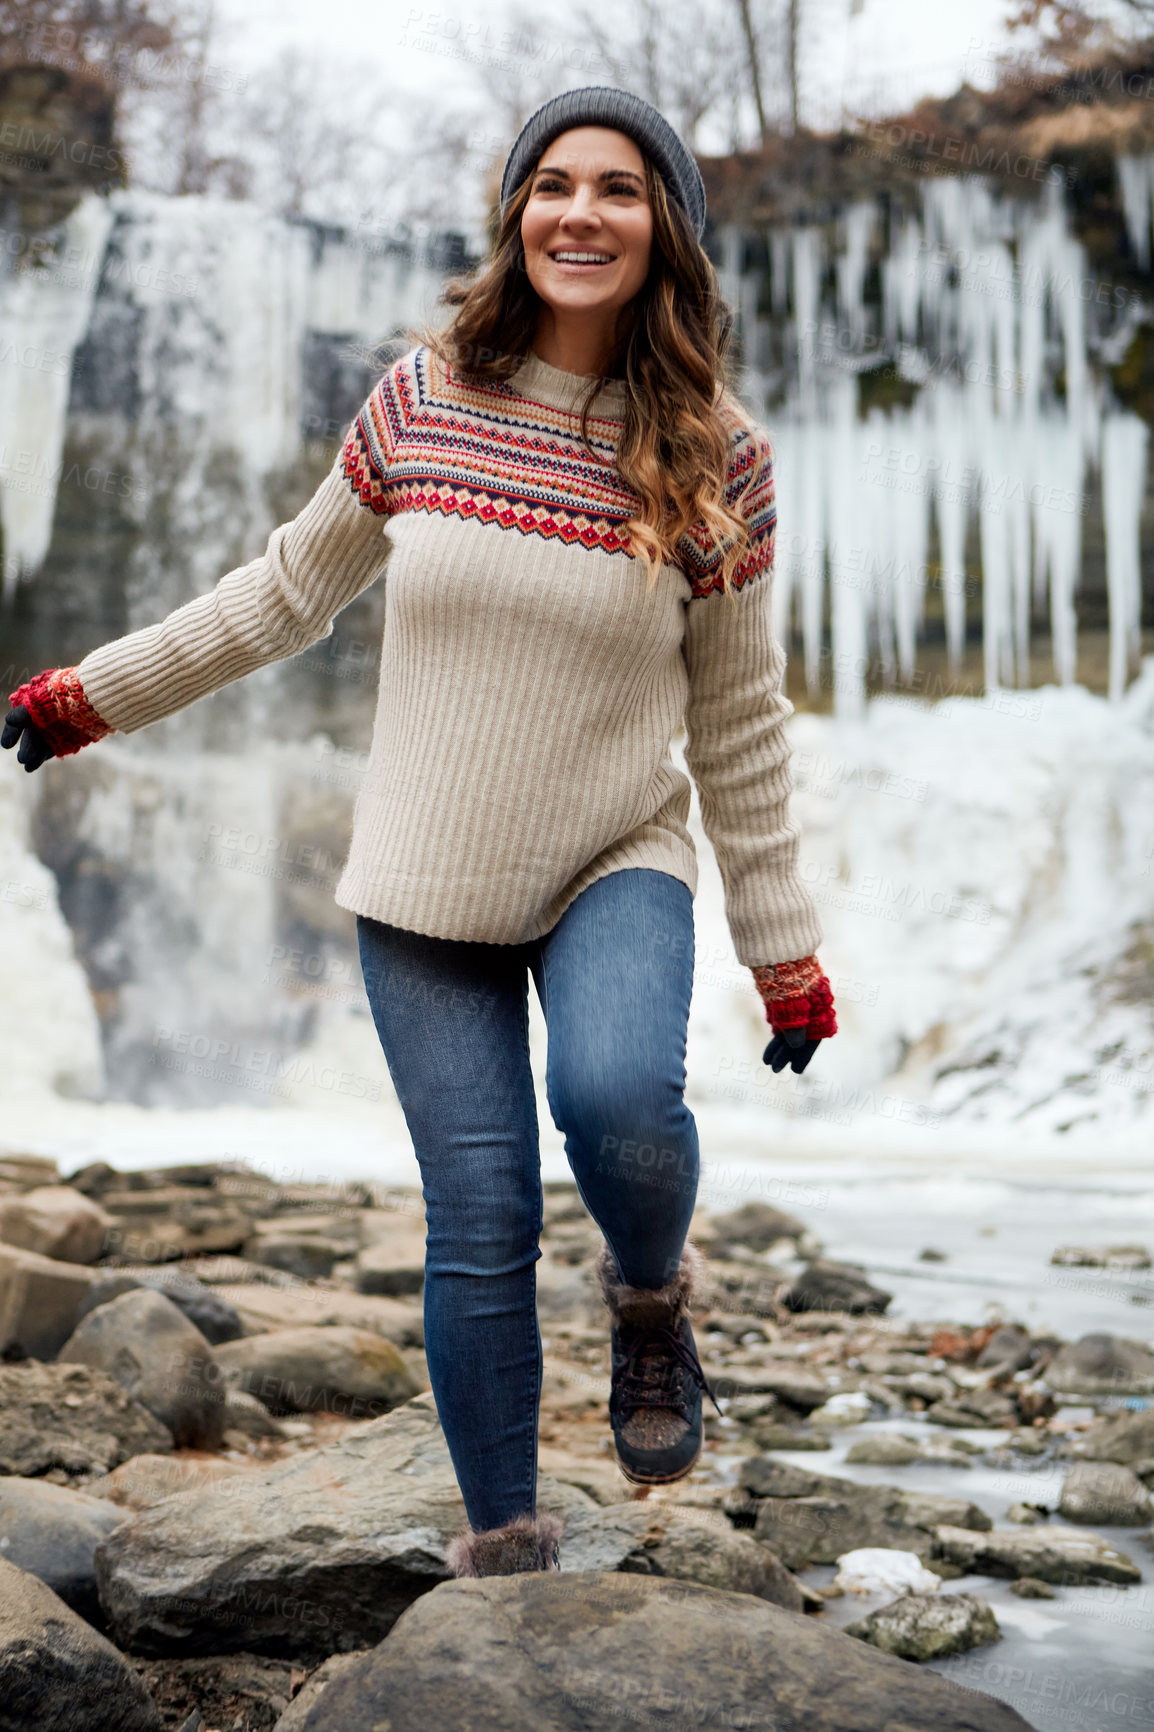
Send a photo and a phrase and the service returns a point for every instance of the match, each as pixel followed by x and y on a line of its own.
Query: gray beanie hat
pixel 604 105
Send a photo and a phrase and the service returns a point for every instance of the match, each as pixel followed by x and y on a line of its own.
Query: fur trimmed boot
pixel 525 1543
pixel 657 1380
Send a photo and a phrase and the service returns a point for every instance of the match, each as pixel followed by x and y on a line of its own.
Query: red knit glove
pixel 53 713
pixel 798 1003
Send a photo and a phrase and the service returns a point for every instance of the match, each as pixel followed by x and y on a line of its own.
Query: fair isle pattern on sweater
pixel 426 440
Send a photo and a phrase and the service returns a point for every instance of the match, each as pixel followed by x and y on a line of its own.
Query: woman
pixel 578 521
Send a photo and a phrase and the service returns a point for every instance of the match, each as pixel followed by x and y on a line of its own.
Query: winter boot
pixel 525 1543
pixel 657 1380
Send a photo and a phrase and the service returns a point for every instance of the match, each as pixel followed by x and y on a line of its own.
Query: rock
pixel 306 1255
pixel 1124 1437
pixel 928 1626
pixel 826 1286
pixel 277 1306
pixel 353 1372
pixel 595 1650
pixel 216 1319
pixel 386 1268
pixel 146 1480
pixel 316 1555
pixel 1101 1364
pixel 791 1384
pixel 1106 1493
pixel 54 1667
pixel 155 1226
pixel 602 1480
pixel 849 1407
pixel 19 1173
pixel 54 1221
pixel 1102 1256
pixel 71 1417
pixel 52 1533
pixel 975 1407
pixel 245 1414
pixel 880 1570
pixel 1030 1588
pixel 306 1698
pixel 885 1449
pixel 1026 1515
pixel 160 1359
pixel 1009 1347
pixel 810 1517
pixel 757 1227
pixel 40 1300
pixel 772 1435
pixel 694 1545
pixel 1054 1554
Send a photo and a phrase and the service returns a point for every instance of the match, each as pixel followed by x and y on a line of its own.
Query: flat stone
pixel 1106 1493
pixel 757 1227
pixel 160 1359
pixel 792 1384
pixel 1054 1554
pixel 885 1449
pixel 51 1660
pixel 354 1372
pixel 773 1435
pixel 808 1517
pixel 1102 1256
pixel 145 1480
pixel 1031 1588
pixel 691 1544
pixel 1102 1364
pixel 155 1226
pixel 268 1306
pixel 928 1626
pixel 304 1254
pixel 1123 1437
pixel 54 1221
pixel 1010 1346
pixel 316 1555
pixel 604 1649
pixel 40 1300
pixel 53 1533
pixel 390 1268
pixel 72 1417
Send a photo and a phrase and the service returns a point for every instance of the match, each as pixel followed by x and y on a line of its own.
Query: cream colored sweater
pixel 530 684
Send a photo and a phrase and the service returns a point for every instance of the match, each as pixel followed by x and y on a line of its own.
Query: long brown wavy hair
pixel 680 407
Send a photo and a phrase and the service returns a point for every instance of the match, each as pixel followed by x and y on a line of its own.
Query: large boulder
pixel 928 1626
pixel 40 1300
pixel 315 1556
pixel 353 1372
pixel 56 1671
pixel 1050 1553
pixel 53 1533
pixel 1102 1364
pixel 812 1518
pixel 593 1650
pixel 71 1417
pixel 216 1319
pixel 55 1221
pixel 161 1360
pixel 1107 1493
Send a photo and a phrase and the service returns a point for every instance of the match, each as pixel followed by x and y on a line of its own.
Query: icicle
pixel 1124 442
pixel 1136 186
pixel 44 312
pixel 807 262
pixel 779 269
pixel 849 506
pixel 851 265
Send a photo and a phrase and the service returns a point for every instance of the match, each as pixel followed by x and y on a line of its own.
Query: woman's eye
pixel 614 186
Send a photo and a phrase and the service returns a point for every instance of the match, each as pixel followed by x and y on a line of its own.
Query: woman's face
pixel 588 196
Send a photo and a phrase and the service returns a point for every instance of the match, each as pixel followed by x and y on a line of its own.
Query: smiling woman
pixel 577 518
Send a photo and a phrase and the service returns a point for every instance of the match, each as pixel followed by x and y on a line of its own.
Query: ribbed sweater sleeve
pixel 273 607
pixel 736 710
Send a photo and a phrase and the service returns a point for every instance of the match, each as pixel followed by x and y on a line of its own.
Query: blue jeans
pixel 614 978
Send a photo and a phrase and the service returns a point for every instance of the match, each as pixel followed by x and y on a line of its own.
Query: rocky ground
pixel 225 1496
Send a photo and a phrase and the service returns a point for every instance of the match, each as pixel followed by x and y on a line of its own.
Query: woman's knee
pixel 469 1237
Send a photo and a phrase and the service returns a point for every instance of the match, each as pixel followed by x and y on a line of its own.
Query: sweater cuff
pixel 797 995
pixel 57 704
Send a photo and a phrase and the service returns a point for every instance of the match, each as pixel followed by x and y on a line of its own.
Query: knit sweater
pixel 530 684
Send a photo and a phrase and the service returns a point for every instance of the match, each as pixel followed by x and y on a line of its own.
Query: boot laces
pixel 641 1380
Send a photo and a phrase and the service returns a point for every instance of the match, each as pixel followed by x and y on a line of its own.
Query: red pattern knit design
pixel 56 702
pixel 797 995
pixel 427 441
